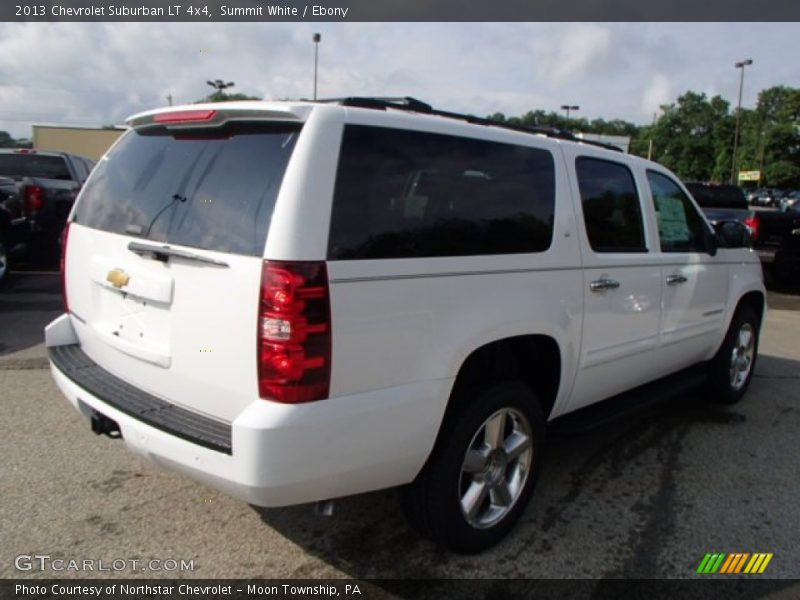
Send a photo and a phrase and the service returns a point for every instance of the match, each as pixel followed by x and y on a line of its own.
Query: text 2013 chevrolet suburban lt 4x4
pixel 298 301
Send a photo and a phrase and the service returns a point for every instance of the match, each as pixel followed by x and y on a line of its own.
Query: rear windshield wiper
pixel 163 253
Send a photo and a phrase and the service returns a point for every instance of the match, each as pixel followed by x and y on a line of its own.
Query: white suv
pixel 299 301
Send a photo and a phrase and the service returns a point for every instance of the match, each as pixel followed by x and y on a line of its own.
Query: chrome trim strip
pixel 514 271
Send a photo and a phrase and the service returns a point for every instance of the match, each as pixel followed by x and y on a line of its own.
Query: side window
pixel 611 206
pixel 680 227
pixel 402 194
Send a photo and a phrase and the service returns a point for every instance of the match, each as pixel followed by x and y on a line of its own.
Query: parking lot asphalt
pixel 645 496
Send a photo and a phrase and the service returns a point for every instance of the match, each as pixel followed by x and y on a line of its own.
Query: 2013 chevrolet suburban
pixel 297 301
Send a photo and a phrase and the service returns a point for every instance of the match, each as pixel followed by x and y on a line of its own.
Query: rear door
pixel 621 281
pixel 164 258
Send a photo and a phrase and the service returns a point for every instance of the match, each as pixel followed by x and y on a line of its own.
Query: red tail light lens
pixel 63 266
pixel 34 200
pixel 185 116
pixel 294 332
pixel 753 224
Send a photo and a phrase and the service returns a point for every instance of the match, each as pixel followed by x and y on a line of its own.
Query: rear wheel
pixel 3 258
pixel 732 368
pixel 482 472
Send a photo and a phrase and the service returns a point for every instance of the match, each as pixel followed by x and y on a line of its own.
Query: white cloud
pixel 658 92
pixel 103 72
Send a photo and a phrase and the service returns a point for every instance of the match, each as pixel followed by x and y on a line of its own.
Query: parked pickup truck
pixel 298 301
pixel 37 190
pixel 775 235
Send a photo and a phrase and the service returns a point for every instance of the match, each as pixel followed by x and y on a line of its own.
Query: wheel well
pixel 754 300
pixel 533 359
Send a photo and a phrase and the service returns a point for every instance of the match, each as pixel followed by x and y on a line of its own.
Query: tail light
pixel 753 224
pixel 33 200
pixel 294 332
pixel 63 266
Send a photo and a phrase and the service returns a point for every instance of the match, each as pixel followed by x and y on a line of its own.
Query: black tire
pixel 433 503
pixel 721 386
pixel 4 266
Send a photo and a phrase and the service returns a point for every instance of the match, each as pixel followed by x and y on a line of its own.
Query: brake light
pixel 63 266
pixel 753 223
pixel 34 200
pixel 185 116
pixel 294 332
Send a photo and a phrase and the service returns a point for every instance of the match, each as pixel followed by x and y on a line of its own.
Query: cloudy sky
pixel 98 73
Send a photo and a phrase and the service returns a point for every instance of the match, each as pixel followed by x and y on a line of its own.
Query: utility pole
pixel 317 39
pixel 568 107
pixel 220 85
pixel 739 65
pixel 169 99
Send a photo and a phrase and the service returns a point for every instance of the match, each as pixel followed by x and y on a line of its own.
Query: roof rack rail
pixel 413 105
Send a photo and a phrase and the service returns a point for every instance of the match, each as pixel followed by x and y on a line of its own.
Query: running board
pixel 630 402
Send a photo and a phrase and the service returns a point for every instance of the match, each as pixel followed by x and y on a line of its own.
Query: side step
pixel 630 402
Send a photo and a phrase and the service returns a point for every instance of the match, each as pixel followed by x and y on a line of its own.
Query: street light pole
pixel 568 107
pixel 317 38
pixel 739 65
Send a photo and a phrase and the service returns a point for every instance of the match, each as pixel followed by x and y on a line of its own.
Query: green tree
pixel 773 143
pixel 692 136
pixel 220 96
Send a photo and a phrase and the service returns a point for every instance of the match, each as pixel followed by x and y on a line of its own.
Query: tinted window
pixel 611 207
pixel 34 165
pixel 717 196
pixel 80 169
pixel 409 194
pixel 680 227
pixel 208 188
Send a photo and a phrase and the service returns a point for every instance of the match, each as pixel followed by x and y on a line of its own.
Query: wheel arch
pixel 512 358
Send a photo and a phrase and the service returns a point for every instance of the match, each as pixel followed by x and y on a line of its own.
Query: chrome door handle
pixel 600 285
pixel 676 279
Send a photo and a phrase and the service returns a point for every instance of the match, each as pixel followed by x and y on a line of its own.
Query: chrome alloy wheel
pixel 742 356
pixel 495 468
pixel 3 260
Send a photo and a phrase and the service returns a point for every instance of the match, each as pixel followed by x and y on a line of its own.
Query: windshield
pixel 212 188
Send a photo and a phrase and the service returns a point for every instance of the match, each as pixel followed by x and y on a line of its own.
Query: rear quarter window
pixel 211 188
pixel 403 194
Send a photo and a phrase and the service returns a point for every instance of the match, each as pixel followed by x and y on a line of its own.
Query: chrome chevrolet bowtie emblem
pixel 118 278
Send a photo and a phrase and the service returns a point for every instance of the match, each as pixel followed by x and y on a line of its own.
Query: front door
pixel 695 282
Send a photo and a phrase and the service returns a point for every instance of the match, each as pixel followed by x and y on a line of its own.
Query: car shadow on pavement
pixel 616 488
pixel 28 302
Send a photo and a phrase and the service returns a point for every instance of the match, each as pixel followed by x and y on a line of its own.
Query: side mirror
pixel 711 242
pixel 733 234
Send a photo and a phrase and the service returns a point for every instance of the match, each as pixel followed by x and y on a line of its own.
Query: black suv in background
pixel 37 190
pixel 775 235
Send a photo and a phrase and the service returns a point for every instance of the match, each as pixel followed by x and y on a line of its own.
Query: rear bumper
pixel 284 454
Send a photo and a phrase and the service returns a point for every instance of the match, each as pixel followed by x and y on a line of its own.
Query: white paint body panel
pixel 402 328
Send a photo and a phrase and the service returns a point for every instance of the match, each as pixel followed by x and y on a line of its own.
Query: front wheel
pixel 482 471
pixel 732 368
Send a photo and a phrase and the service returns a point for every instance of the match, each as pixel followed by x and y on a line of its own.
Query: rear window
pixel 717 196
pixel 211 188
pixel 402 194
pixel 34 165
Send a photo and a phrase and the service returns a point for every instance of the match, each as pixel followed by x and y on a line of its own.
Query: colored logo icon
pixel 736 562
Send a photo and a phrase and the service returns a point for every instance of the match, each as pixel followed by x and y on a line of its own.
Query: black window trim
pixel 645 234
